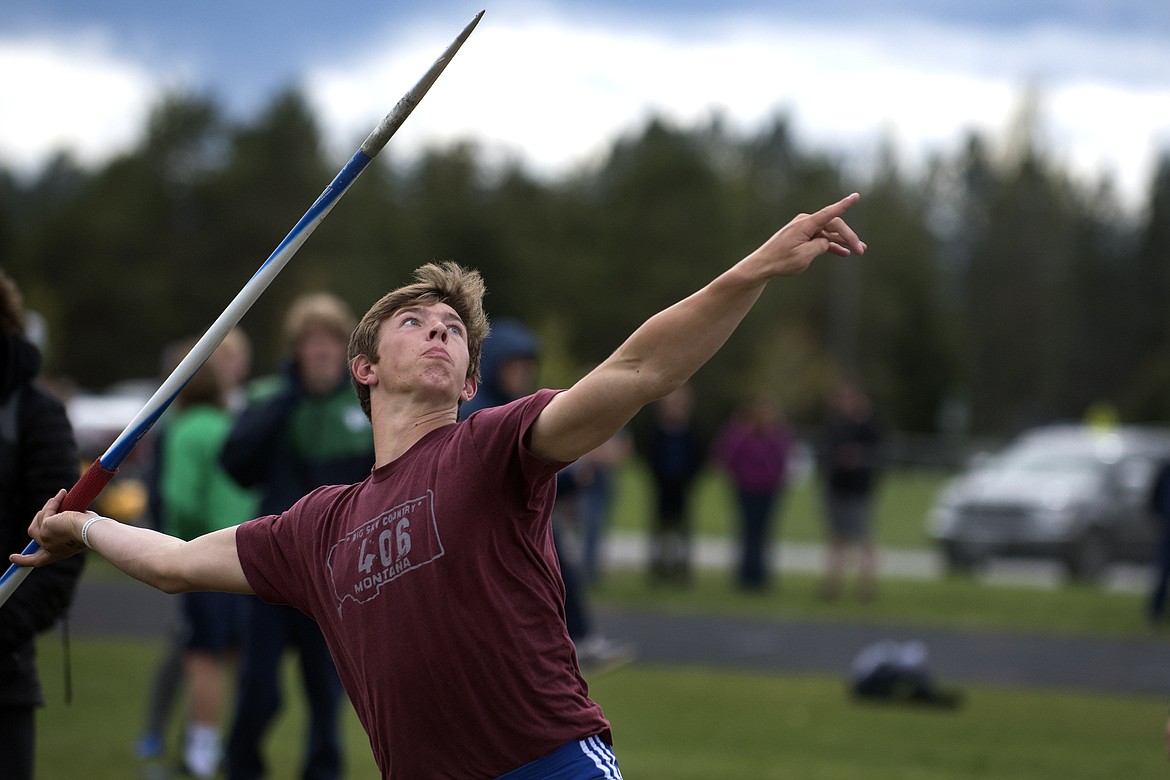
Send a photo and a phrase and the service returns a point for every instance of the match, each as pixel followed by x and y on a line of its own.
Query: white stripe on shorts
pixel 603 757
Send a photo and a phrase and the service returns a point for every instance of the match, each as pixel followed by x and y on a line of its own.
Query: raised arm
pixel 209 562
pixel 666 350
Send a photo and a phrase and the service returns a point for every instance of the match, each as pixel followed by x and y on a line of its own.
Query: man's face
pixel 320 356
pixel 423 349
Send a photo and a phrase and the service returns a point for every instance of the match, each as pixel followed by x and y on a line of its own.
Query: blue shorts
pixel 215 621
pixel 585 759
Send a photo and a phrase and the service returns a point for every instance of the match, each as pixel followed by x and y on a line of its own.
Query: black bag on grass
pixel 897 672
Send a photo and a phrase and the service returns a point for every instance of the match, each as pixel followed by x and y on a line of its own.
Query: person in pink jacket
pixel 753 448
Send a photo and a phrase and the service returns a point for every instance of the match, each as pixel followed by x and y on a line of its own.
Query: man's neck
pixel 397 430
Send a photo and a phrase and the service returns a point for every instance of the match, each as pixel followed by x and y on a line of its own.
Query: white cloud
pixel 69 94
pixel 1101 129
pixel 556 92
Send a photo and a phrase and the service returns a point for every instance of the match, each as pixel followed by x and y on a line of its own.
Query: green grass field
pixel 700 724
pixel 679 723
pixel 676 723
pixel 957 602
pixel 705 723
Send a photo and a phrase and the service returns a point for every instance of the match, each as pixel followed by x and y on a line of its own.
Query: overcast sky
pixel 554 81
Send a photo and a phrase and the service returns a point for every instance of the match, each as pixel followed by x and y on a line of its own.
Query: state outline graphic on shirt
pixel 399 540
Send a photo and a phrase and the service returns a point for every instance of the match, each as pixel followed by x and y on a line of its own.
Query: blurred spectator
pixel 232 362
pixel 675 454
pixel 301 429
pixel 1160 509
pixel 168 677
pixel 596 500
pixel 38 457
pixel 508 366
pixel 198 497
pixel 850 461
pixel 753 448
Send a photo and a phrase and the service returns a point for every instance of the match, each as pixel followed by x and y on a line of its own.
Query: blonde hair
pixel 461 289
pixel 317 311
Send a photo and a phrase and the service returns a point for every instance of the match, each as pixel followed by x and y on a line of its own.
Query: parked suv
pixel 1073 493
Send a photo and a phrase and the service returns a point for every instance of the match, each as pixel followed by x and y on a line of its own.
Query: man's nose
pixel 438 330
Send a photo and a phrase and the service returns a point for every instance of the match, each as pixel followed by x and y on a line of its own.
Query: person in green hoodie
pixel 198 497
pixel 302 428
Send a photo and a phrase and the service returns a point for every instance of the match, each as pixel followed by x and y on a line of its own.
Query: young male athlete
pixel 435 580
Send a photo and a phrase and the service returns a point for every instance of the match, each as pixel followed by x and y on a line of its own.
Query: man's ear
pixel 470 387
pixel 363 371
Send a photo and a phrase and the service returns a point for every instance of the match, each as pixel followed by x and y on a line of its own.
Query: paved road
pixel 1140 666
pixel 1134 665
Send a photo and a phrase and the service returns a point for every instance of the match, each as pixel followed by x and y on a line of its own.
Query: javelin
pixel 98 475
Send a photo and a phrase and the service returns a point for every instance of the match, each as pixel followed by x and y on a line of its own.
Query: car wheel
pixel 1088 557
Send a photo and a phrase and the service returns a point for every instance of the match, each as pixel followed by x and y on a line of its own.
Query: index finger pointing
pixel 825 215
pixel 830 224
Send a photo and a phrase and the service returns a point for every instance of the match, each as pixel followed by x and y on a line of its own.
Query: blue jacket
pixel 509 339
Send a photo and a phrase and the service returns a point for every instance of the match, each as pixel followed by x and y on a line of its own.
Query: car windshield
pixel 1048 462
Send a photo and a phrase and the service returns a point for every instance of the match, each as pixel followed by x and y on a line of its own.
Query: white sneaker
pixel 202 752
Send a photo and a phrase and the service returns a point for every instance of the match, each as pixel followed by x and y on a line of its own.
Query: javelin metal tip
pixel 471 26
pixel 390 123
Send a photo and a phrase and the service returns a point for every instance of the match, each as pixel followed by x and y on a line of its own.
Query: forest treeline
pixel 998 292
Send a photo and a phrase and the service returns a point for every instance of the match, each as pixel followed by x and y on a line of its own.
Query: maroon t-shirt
pixel 436 585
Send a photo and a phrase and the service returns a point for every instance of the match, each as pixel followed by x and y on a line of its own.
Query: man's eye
pixel 456 330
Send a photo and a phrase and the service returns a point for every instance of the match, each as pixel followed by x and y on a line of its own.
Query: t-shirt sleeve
pixel 501 434
pixel 261 554
pixel 273 550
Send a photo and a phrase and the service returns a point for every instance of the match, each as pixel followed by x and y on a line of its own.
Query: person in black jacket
pixel 1159 509
pixel 38 455
pixel 675 453
pixel 851 465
